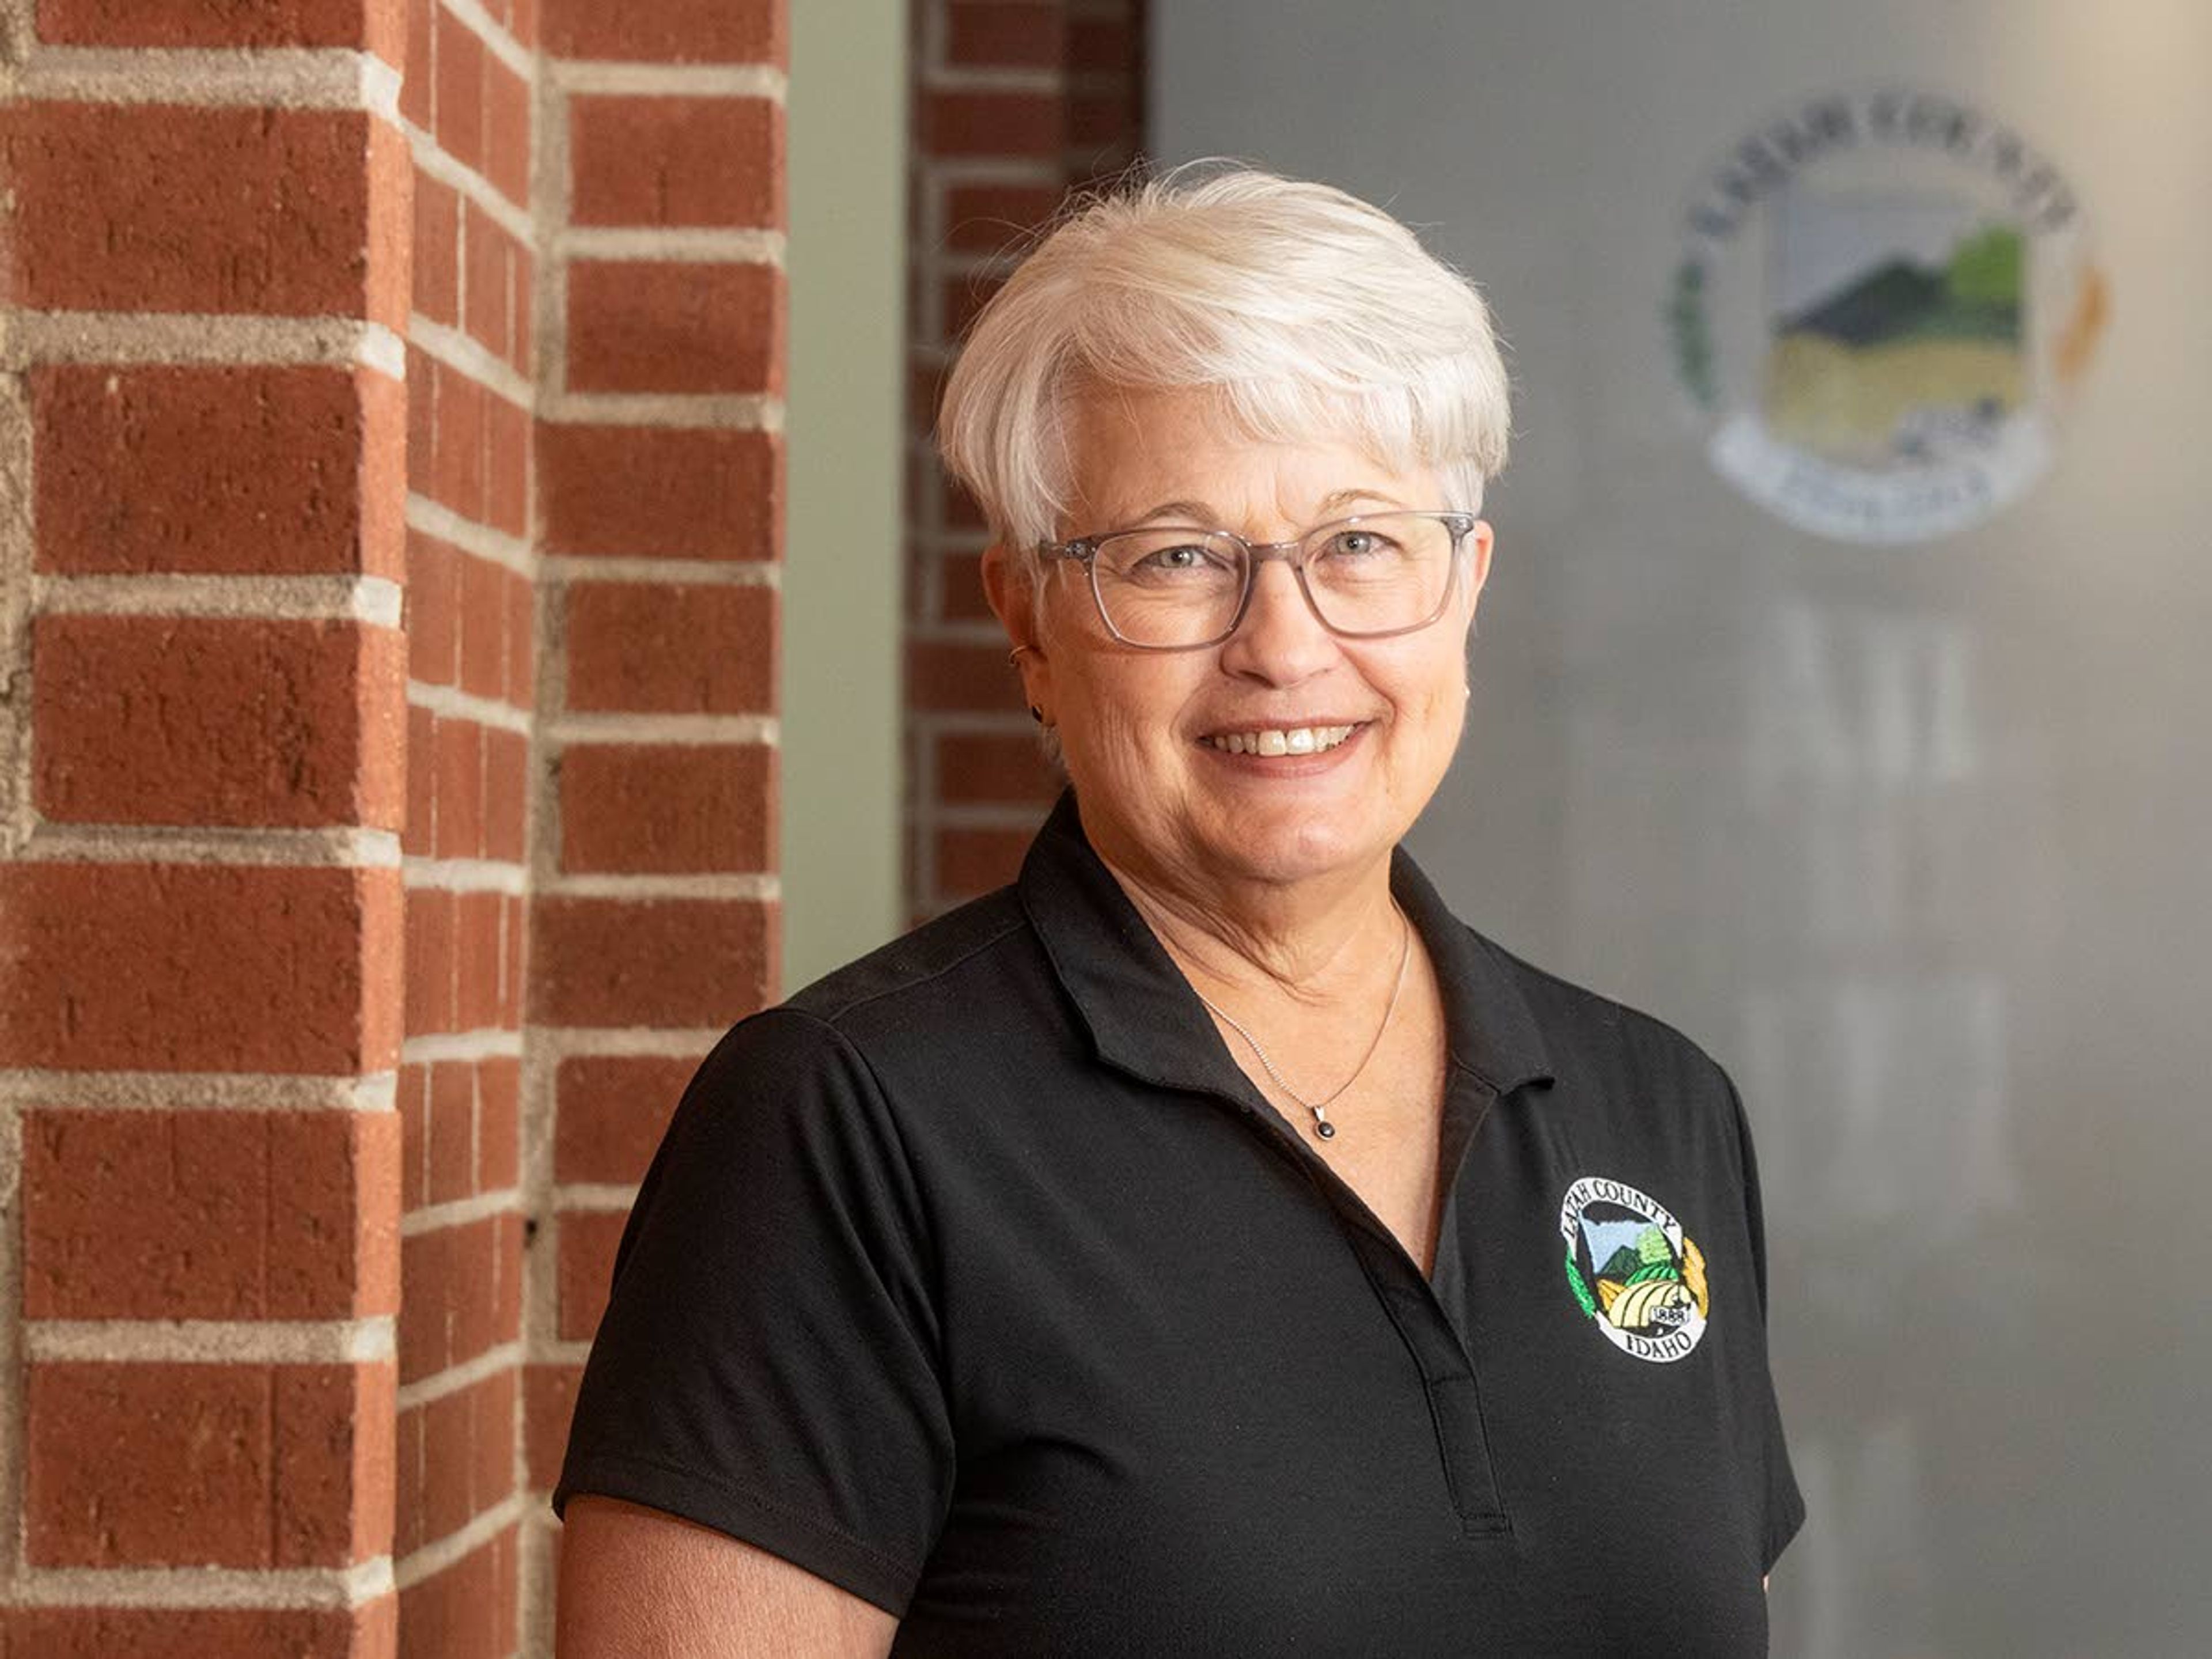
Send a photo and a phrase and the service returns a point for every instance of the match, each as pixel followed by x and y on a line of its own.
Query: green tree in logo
pixel 1581 1289
pixel 1686 323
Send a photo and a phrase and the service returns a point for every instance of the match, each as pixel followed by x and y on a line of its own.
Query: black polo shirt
pixel 978 1280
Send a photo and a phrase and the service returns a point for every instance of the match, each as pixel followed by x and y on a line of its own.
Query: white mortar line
pixel 464 876
pixel 559 1042
pixel 462 352
pixel 485 1042
pixel 375 600
pixel 674 572
pixel 286 1588
pixel 196 1091
pixel 450 703
pixel 16 490
pixel 690 245
pixel 758 886
pixel 990 815
pixel 599 1197
pixel 535 1570
pixel 981 631
pixel 138 337
pixel 493 1362
pixel 345 847
pixel 458 1212
pixel 985 170
pixel 504 46
pixel 433 518
pixel 434 163
pixel 660 728
pixel 479 1530
pixel 727 411
pixel 946 77
pixel 281 77
pixel 692 79
pixel 558 1352
pixel 210 1341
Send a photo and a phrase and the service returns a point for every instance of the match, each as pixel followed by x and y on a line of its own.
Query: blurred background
pixel 479 614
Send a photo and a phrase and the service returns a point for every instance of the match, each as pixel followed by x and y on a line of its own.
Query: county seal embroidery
pixel 1637 1274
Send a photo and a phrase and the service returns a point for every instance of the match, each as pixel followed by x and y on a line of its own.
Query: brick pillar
pixel 466 107
pixel 654 925
pixel 1015 101
pixel 203 435
pixel 390 511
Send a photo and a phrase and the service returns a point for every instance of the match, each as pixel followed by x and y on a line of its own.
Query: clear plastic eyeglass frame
pixel 1083 550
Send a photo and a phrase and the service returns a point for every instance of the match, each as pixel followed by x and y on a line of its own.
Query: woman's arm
pixel 635 1583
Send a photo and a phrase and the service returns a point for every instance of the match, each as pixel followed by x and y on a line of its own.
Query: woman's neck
pixel 1312 942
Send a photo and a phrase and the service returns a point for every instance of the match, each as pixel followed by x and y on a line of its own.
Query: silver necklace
pixel 1322 1127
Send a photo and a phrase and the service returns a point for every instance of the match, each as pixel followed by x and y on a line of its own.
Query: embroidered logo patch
pixel 1637 1274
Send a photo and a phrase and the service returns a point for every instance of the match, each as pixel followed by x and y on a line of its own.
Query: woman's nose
pixel 1280 639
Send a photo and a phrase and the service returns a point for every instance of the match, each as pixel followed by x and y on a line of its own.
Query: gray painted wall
pixel 1911 837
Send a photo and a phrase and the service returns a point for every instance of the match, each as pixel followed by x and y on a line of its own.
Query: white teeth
pixel 1291 740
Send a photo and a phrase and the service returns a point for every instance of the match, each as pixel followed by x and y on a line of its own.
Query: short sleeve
pixel 1784 1505
pixel 767 1364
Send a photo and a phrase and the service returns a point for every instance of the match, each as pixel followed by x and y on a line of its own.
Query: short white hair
pixel 1311 314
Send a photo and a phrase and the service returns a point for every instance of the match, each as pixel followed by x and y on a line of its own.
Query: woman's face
pixel 1140 729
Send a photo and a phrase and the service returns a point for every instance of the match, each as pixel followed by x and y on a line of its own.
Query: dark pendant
pixel 1325 1129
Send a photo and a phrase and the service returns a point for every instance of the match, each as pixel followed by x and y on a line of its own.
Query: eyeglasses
pixel 1177 587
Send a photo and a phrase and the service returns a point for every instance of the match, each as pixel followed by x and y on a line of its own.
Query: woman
pixel 1165 1254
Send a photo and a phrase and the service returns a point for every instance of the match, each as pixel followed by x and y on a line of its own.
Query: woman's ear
pixel 1480 542
pixel 1007 581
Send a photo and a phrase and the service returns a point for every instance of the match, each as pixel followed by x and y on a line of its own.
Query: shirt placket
pixel 1413 1302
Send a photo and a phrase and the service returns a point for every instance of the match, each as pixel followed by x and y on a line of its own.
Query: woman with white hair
pixel 1163 1254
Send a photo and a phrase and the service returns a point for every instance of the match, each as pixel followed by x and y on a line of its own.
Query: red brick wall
pixel 1015 101
pixel 389 511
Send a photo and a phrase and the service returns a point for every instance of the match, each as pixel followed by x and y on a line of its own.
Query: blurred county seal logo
pixel 1883 302
pixel 1634 1271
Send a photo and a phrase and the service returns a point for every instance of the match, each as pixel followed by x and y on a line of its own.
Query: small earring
pixel 1037 714
pixel 1014 656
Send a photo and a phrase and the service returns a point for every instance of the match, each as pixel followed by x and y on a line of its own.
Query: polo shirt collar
pixel 1145 1019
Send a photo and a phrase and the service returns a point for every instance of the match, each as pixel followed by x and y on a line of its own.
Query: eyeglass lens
pixel 1177 586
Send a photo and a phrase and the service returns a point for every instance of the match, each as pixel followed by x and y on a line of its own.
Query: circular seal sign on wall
pixel 1884 300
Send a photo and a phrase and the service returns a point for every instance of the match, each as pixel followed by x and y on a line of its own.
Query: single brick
pixel 506 465
pixel 242 1466
pixel 1103 45
pixel 969 861
pixel 1003 34
pixel 209 1215
pixel 640 325
pixel 669 162
pixel 586 1268
pixel 199 967
pixel 610 1111
pixel 416 86
pixel 91 1633
pixel 669 31
pixel 997 124
pixel 995 768
pixel 431 913
pixel 165 208
pixel 666 493
pixel 257 470
pixel 499 1123
pixel 667 649
pixel 465 1440
pixel 651 962
pixel 667 809
pixel 431 614
pixel 412 1103
pixel 945 675
pixel 961 595
pixel 983 218
pixel 478 942
pixel 522 275
pixel 456 472
pixel 548 1394
pixel 507 794
pixel 484 627
pixel 437 270
pixel 217 720
pixel 457 746
pixel 460 91
pixel 488 285
pixel 377 26
pixel 452 1131
pixel 466 1610
pixel 507 131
